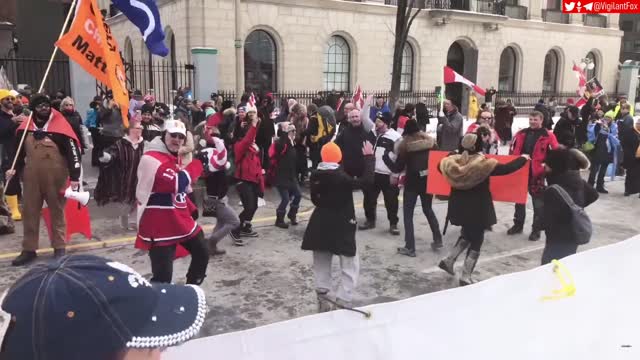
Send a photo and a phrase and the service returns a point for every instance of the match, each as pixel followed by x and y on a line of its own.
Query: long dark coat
pixel 474 207
pixel 118 178
pixel 332 226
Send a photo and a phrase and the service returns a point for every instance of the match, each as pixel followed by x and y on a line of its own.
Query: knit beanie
pixel 37 100
pixel 331 153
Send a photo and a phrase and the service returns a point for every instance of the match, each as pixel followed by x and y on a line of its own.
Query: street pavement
pixel 270 279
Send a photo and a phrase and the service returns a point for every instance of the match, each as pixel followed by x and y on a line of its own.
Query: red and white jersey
pixel 164 209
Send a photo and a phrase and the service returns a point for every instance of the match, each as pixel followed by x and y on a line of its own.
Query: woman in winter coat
pixel 298 117
pixel 67 108
pixel 556 218
pixel 118 175
pixel 248 172
pixel 332 226
pixel 505 112
pixel 565 129
pixel 285 178
pixel 631 161
pixel 413 158
pixel 485 121
pixel 605 146
pixel 470 203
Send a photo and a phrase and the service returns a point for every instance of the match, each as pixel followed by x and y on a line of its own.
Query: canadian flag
pixel 358 98
pixel 252 100
pixel 451 76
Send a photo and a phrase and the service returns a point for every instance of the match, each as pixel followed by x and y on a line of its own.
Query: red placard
pixel 511 188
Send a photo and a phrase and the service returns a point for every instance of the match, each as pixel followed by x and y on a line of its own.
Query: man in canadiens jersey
pixel 165 225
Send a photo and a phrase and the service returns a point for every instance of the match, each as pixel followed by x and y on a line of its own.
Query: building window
pixel 337 65
pixel 550 74
pixel 406 75
pixel 507 72
pixel 593 72
pixel 260 62
pixel 636 46
pixel 626 26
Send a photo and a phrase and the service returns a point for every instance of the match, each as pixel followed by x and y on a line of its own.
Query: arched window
pixel 550 73
pixel 128 50
pixel 507 72
pixel 337 64
pixel 591 73
pixel 128 63
pixel 406 75
pixel 170 39
pixel 260 62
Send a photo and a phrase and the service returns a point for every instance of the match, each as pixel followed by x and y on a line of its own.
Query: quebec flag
pixel 145 15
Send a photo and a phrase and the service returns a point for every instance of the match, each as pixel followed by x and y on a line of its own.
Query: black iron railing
pixel 162 78
pixel 31 71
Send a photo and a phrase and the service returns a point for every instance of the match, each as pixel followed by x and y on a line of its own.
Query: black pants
pixel 382 183
pixel 474 235
pixel 557 251
pixel 599 169
pixel 248 193
pixel 521 213
pixel 314 154
pixel 409 205
pixel 96 153
pixel 301 162
pixel 13 187
pixel 162 260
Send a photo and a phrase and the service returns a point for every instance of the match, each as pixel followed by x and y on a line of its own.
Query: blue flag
pixel 145 15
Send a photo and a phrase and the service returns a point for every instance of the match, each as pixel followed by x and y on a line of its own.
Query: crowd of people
pixel 151 168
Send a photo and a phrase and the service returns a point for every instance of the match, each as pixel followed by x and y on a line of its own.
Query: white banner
pixel 503 318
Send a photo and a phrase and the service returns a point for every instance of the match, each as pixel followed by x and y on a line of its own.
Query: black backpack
pixel 580 225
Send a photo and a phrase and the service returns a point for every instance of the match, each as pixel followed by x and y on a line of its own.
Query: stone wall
pixel 301 29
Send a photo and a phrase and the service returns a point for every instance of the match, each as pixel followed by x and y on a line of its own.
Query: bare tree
pixel 404 19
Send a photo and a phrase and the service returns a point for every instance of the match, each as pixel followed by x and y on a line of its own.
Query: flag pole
pixel 44 80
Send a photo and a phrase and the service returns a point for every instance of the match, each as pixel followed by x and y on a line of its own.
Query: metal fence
pixel 31 71
pixel 161 78
pixel 331 97
pixel 524 101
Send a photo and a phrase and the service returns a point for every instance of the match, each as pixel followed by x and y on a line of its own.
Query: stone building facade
pixel 331 44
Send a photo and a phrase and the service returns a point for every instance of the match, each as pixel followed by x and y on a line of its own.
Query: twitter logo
pixel 569 6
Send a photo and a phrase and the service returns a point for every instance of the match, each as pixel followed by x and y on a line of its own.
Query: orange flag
pixel 91 44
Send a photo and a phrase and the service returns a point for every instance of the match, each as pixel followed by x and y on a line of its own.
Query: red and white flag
pixel 358 98
pixel 451 76
pixel 252 100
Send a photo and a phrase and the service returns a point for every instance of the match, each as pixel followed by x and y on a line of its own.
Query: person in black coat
pixel 413 158
pixel 565 129
pixel 285 175
pixel 266 129
pixel 630 139
pixel 556 218
pixel 332 226
pixel 422 114
pixel 67 108
pixel 470 203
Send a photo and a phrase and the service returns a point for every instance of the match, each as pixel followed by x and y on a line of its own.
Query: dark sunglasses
pixel 43 106
pixel 178 136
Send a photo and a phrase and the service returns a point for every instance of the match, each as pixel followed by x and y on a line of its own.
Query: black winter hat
pixel 146 108
pixel 411 127
pixel 38 99
pixel 386 117
pixel 560 160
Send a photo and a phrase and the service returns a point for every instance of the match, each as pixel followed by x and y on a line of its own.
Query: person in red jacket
pixel 534 141
pixel 164 209
pixel 248 173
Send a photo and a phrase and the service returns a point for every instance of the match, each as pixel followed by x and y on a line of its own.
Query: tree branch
pixel 390 29
pixel 412 18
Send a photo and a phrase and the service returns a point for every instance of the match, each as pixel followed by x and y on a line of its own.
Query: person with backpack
pixel 282 174
pixel 322 128
pixel 564 221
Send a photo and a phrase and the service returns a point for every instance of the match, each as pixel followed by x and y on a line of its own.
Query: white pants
pixel 349 272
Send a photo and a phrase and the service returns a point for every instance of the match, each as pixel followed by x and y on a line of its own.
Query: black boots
pixel 437 241
pixel 367 225
pixel 535 235
pixel 24 258
pixel 280 222
pixel 515 229
pixel 293 213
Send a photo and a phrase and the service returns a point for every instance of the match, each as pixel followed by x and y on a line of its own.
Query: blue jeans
pixel 409 204
pixel 289 194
